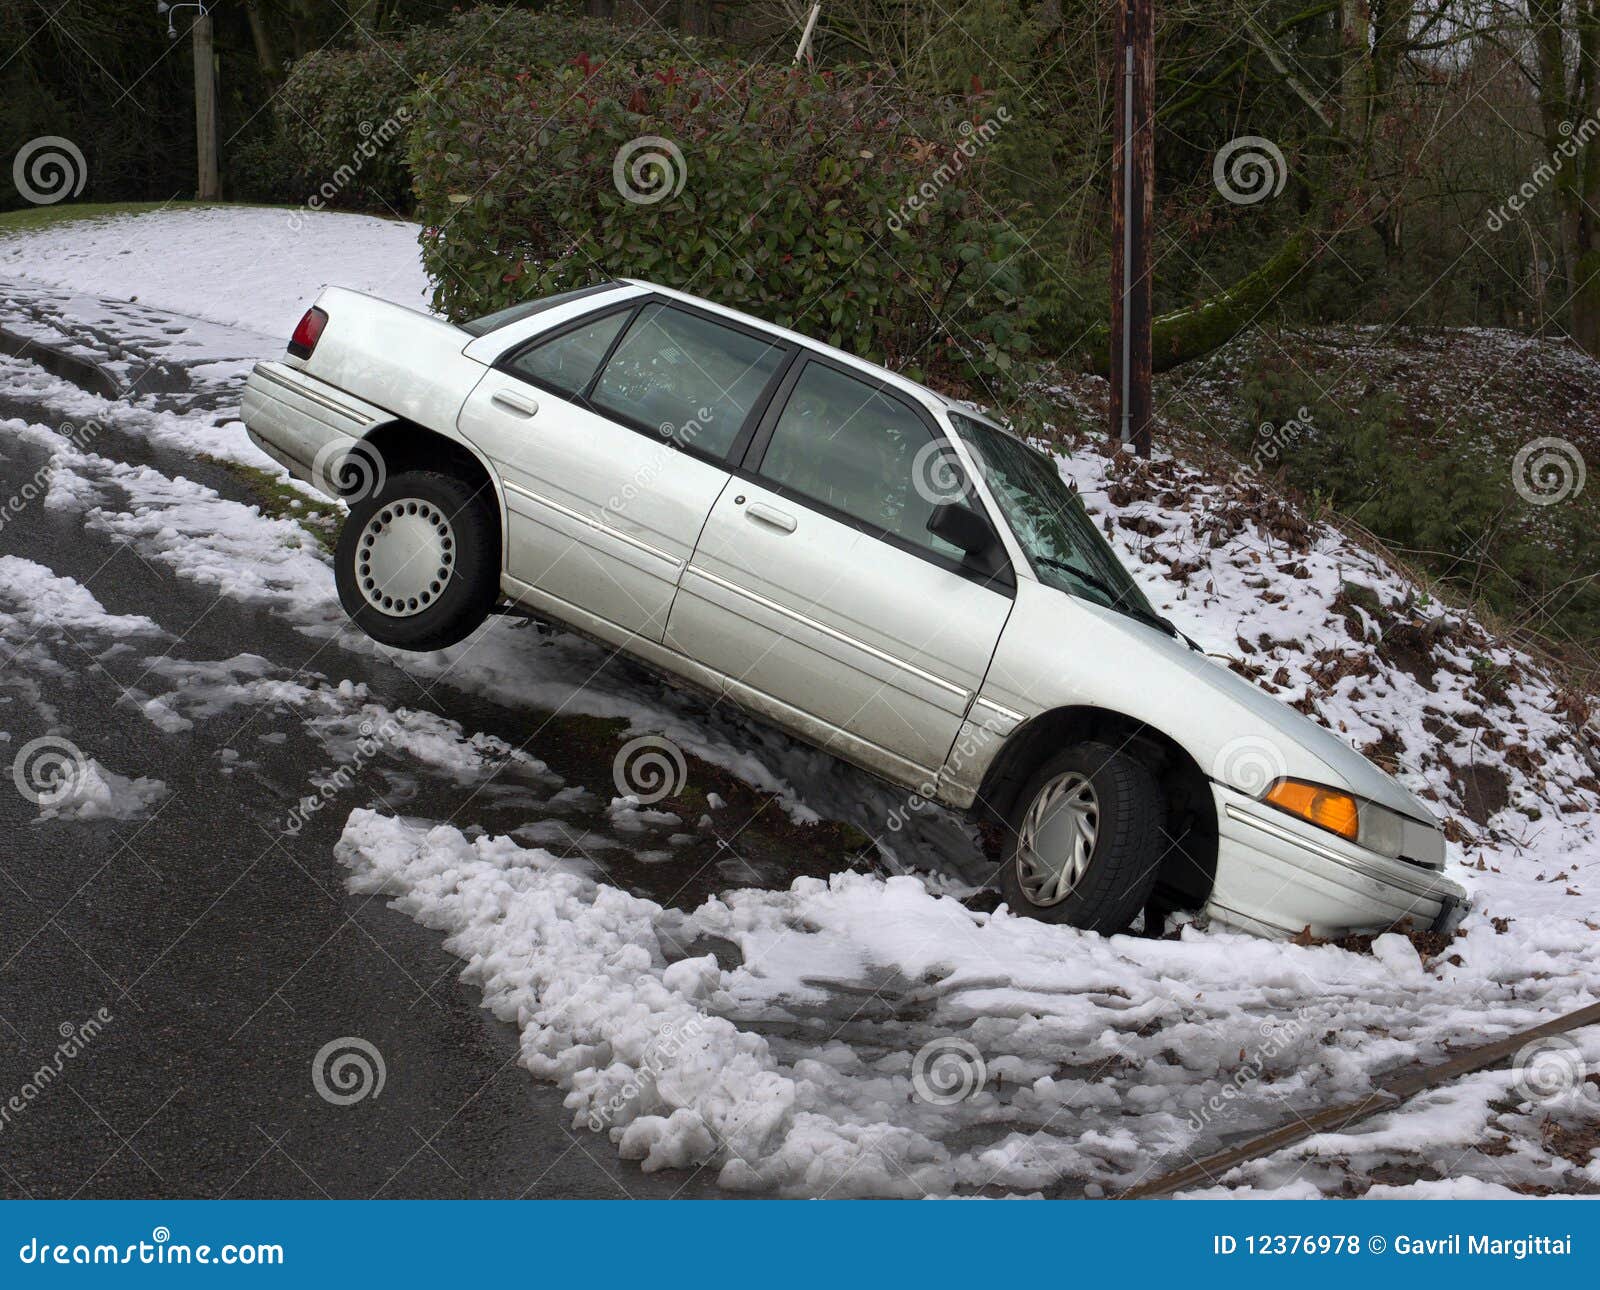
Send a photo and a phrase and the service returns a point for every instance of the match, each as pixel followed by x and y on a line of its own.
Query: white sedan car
pixel 879 571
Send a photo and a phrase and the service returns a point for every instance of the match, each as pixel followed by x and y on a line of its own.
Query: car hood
pixel 1237 733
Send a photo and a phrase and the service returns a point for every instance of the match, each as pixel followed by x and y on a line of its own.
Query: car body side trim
pixel 1004 713
pixel 306 387
pixel 597 525
pixel 1395 873
pixel 960 691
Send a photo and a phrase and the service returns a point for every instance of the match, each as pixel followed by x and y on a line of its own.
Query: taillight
pixel 308 332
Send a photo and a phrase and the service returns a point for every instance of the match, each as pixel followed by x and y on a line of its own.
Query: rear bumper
pixel 1276 877
pixel 302 423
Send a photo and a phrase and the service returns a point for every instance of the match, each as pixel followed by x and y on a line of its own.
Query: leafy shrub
pixel 336 101
pixel 331 103
pixel 825 203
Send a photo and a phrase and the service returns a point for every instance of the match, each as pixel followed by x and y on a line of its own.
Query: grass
pixel 33 218
pixel 279 498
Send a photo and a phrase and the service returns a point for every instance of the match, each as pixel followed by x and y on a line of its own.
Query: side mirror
pixel 962 527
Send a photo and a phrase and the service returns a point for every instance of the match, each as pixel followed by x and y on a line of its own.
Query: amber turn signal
pixel 1326 807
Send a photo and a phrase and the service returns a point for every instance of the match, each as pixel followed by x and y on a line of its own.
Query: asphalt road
pixel 225 956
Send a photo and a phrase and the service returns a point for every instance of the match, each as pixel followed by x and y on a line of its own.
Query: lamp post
pixel 1132 202
pixel 208 184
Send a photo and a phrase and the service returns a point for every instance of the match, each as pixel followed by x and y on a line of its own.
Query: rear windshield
pixel 516 313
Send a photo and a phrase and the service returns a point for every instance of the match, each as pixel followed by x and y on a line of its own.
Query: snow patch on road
pixel 40 601
pixel 790 1061
pixel 101 794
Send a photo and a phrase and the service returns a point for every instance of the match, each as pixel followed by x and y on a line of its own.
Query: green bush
pixel 1453 506
pixel 338 106
pixel 825 203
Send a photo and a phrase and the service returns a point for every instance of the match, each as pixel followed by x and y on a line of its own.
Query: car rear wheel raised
pixel 417 564
pixel 1083 842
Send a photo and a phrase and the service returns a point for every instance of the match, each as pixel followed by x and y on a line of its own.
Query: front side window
pixel 568 362
pixel 686 377
pixel 846 444
pixel 1055 532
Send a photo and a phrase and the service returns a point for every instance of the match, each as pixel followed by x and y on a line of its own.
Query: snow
pixel 99 794
pixel 786 1037
pixel 273 261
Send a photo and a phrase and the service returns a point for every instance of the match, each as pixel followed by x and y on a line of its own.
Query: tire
pixel 1116 870
pixel 433 543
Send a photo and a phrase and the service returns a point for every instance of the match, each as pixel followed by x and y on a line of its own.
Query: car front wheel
pixel 1083 840
pixel 417 565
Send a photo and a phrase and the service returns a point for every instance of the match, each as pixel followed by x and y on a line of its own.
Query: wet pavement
pixel 212 956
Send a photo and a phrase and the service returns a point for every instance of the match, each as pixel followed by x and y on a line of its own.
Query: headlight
pixel 1365 823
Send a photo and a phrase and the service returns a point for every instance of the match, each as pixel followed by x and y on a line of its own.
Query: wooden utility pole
pixel 208 187
pixel 1132 205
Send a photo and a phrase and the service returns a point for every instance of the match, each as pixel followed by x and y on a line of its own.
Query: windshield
pixel 1060 540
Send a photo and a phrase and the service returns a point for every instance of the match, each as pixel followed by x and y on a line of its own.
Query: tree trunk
pixel 1191 333
pixel 265 57
pixel 1569 96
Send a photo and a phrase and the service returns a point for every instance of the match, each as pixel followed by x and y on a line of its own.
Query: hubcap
pixel 405 557
pixel 1056 841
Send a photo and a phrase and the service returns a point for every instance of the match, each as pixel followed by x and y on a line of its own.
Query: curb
pixel 82 372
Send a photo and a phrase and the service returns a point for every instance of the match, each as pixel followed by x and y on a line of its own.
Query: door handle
pixel 766 514
pixel 514 402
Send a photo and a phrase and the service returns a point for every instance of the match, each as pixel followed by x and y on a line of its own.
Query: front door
pixel 611 437
pixel 818 592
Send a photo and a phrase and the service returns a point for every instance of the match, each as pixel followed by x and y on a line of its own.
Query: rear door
pixel 612 437
pixel 817 590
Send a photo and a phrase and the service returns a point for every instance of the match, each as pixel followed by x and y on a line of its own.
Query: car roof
pixel 903 383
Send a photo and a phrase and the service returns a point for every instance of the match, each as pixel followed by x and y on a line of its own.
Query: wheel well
pixel 404 445
pixel 1189 862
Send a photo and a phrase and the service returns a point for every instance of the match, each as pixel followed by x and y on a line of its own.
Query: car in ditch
pixel 882 572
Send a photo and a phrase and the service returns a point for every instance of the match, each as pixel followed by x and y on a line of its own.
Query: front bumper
pixel 1277 876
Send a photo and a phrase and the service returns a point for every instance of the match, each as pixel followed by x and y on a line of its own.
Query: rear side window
pixel 846 444
pixel 528 308
pixel 686 377
pixel 567 362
